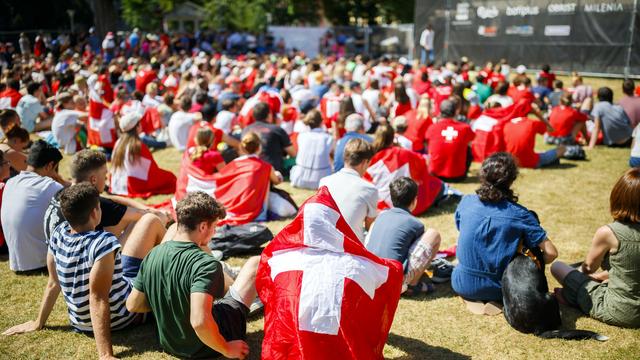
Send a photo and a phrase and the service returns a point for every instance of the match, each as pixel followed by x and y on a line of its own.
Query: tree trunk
pixel 104 16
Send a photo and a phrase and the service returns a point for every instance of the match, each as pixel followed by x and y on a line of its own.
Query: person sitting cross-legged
pixel 185 288
pixel 92 269
pixel 397 234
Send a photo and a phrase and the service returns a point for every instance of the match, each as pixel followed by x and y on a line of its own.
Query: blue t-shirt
pixel 489 237
pixel 338 159
pixel 393 233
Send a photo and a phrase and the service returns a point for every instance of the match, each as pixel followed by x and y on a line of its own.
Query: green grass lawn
pixel 571 200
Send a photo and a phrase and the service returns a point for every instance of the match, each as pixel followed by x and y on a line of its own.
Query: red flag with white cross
pixel 325 295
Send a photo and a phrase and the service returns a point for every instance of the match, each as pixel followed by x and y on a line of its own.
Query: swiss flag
pixel 329 108
pixel 101 129
pixel 488 128
pixel 271 98
pixel 395 162
pixel 325 295
pixel 9 99
pixel 142 178
pixel 242 186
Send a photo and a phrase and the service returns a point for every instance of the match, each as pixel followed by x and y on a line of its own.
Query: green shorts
pixel 577 290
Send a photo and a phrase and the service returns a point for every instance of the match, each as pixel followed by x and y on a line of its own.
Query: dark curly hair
pixel 497 174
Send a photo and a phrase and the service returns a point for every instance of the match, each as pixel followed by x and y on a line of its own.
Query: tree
pixel 104 15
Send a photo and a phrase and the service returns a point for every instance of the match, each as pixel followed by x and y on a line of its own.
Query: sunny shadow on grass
pixel 571 200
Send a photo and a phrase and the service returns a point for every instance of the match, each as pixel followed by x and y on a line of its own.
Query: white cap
pixel 129 121
pixel 521 69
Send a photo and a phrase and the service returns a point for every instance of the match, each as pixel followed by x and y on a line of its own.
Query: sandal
pixel 423 287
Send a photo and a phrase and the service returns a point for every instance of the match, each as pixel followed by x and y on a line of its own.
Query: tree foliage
pixel 256 15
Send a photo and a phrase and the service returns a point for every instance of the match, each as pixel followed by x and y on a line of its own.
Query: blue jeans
pixel 547 158
pixel 151 142
pixel 634 161
pixel 426 53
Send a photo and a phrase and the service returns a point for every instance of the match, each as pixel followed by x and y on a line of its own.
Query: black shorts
pixel 231 317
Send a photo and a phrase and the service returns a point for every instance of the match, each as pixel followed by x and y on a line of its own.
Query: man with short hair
pixel 356 198
pixel 185 288
pixel 397 234
pixel 354 125
pixel 25 199
pixel 448 139
pixel 180 124
pixel 611 119
pixel 275 142
pixel 629 102
pixel 93 270
pixel 426 44
pixel 120 216
pixel 30 108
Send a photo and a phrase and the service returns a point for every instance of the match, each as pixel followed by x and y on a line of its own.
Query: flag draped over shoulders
pixel 325 295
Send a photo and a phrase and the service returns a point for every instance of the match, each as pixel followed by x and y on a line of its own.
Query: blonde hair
pixel 250 143
pixel 204 139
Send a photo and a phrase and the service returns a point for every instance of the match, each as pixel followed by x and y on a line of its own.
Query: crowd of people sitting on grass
pixel 386 137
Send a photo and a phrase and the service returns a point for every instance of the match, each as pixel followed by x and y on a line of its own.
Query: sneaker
pixel 442 270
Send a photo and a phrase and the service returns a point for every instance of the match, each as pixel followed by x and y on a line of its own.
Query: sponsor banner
pixel 487 12
pixel 522 30
pixel 463 14
pixel 562 8
pixel 487 31
pixel 522 10
pixel 557 30
pixel 604 7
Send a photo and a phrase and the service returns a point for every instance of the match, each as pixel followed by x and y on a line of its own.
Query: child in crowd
pixel 555 96
pixel 398 235
pixel 66 124
pixel 313 161
pixel 202 155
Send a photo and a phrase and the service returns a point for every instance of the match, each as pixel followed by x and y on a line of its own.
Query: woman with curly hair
pixel 492 225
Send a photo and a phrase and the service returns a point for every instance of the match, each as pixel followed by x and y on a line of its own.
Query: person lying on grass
pixel 92 269
pixel 185 288
pixel 612 295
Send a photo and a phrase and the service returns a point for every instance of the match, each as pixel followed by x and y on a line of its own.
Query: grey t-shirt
pixel 616 127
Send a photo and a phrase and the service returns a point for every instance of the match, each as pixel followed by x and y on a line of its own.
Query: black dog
pixel 528 306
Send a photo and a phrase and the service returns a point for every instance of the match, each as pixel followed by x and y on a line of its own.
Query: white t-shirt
pixel 312 160
pixel 426 39
pixel 356 198
pixel 63 128
pixel 179 126
pixel 224 121
pixel 25 201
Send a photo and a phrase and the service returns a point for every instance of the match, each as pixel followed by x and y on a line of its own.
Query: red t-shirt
pixel 494 79
pixel 520 94
pixel 550 77
pixel 417 129
pixel 209 161
pixel 143 78
pixel 563 119
pixel 191 139
pixel 439 94
pixel 520 140
pixel 448 141
pixel 401 108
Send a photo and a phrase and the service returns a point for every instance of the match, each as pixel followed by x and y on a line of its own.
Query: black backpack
pixel 240 239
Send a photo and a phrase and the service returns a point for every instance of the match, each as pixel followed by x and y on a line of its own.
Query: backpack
pixel 240 239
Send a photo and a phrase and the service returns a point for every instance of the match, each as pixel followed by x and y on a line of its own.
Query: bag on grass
pixel 240 239
pixel 575 152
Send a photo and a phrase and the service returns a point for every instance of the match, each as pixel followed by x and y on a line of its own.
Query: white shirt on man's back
pixel 356 198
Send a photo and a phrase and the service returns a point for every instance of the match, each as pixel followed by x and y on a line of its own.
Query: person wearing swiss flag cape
pixel 134 172
pixel 325 295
